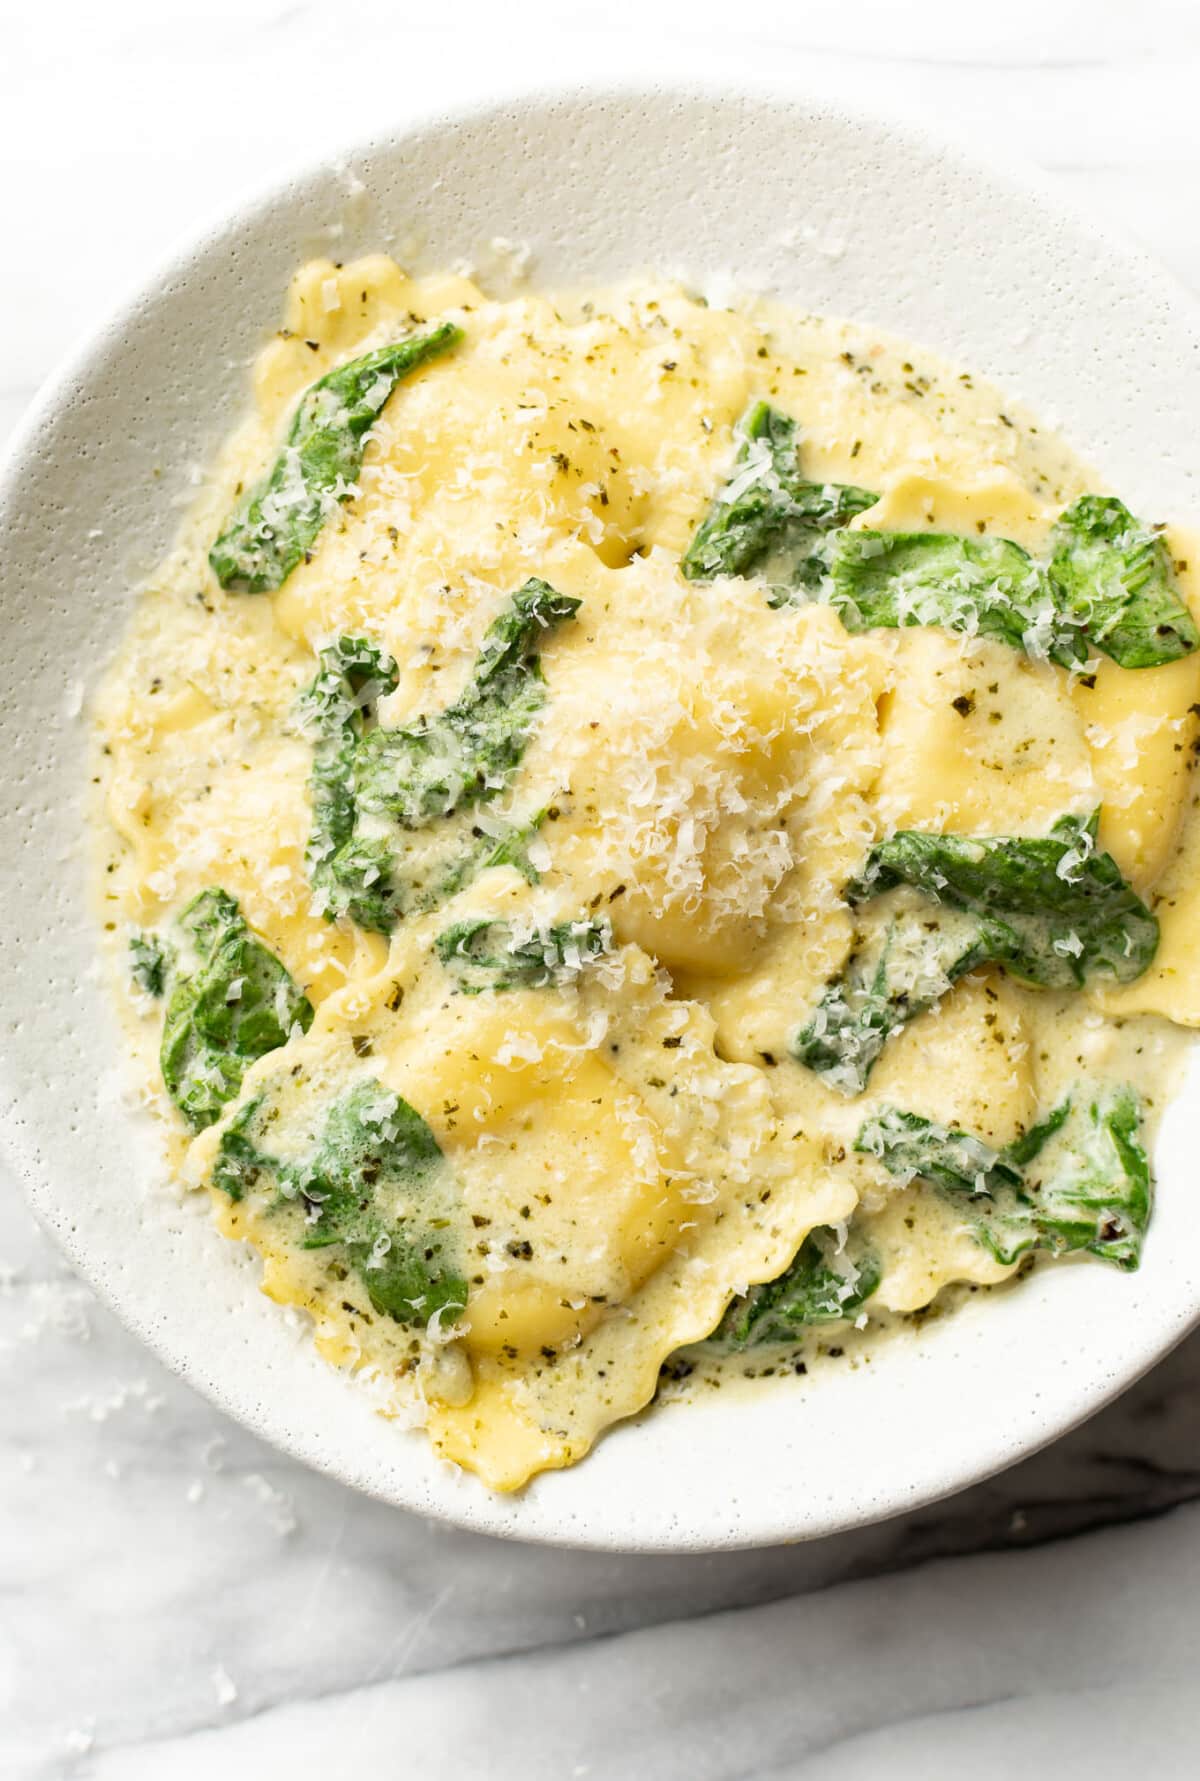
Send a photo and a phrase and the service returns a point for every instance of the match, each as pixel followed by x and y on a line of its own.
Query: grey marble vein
pixel 178 1600
pixel 255 1583
pixel 789 1688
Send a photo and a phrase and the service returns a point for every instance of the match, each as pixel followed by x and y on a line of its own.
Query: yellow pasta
pixel 616 1133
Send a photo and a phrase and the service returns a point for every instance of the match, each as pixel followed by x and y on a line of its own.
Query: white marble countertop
pixel 176 1600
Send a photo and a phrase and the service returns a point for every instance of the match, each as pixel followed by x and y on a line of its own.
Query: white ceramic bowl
pixel 838 214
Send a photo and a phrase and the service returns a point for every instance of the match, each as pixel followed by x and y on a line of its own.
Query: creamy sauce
pixel 629 1146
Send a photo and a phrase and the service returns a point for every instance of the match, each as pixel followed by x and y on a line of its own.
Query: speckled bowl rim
pixel 646 1511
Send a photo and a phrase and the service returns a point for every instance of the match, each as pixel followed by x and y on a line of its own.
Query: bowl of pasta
pixel 602 936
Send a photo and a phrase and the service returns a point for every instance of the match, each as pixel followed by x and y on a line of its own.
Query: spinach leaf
pixel 230 1002
pixel 1108 586
pixel 767 517
pixel 375 883
pixel 513 849
pixel 906 955
pixel 910 1146
pixel 1092 1187
pixel 414 777
pixel 1078 1181
pixel 360 882
pixel 351 878
pixel 980 586
pixel 277 521
pixel 369 1189
pixel 468 752
pixel 484 954
pixel 828 1282
pixel 1052 910
pixel 1113 577
pixel 149 962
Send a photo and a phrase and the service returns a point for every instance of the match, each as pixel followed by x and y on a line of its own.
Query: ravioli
pixel 562 964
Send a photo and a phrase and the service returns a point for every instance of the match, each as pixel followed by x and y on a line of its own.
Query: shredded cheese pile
pixel 631 1144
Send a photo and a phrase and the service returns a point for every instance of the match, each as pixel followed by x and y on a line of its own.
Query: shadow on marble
pixel 184 1548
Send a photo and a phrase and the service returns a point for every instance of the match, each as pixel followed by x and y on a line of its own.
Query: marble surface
pixel 176 1600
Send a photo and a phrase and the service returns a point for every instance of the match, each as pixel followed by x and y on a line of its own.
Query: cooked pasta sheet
pixel 625 823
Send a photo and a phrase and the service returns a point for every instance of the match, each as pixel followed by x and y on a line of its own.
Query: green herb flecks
pixel 830 1280
pixel 1052 910
pixel 276 523
pixel 768 519
pixel 485 954
pixel 230 1001
pixel 373 1188
pixel 1078 1181
pixel 1114 579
